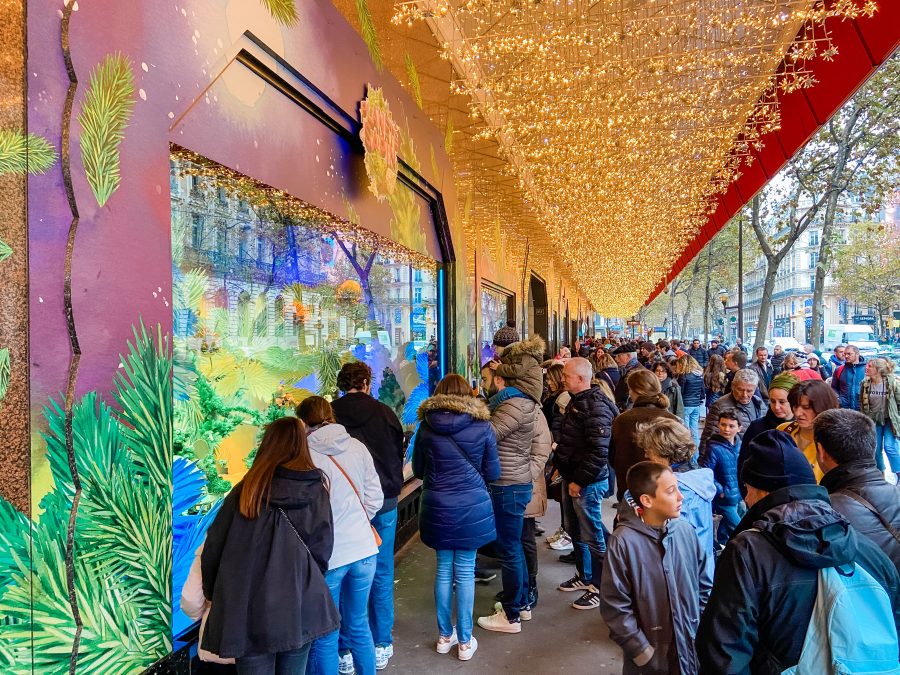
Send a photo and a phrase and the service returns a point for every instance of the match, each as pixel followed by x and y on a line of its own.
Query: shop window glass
pixel 494 315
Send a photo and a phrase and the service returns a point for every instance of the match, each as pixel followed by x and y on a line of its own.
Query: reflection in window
pixel 494 315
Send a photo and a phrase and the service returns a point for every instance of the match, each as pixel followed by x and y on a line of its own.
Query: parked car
pixel 789 344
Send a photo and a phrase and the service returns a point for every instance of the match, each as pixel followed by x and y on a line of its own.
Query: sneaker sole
pixel 510 628
pixel 574 606
pixel 579 589
pixel 445 650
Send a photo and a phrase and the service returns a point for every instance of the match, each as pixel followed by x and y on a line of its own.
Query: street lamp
pixel 723 298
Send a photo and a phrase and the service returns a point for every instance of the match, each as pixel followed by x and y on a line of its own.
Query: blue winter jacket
pixel 698 487
pixel 722 458
pixel 847 380
pixel 455 511
pixel 692 389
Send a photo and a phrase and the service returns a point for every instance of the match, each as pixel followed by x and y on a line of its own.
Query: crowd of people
pixel 754 527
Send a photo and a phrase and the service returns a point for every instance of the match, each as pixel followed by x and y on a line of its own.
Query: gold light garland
pixel 627 117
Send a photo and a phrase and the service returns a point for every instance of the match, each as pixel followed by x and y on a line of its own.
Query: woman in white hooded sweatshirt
pixel 355 495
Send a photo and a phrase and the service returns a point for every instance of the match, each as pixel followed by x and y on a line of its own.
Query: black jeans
pixel 529 546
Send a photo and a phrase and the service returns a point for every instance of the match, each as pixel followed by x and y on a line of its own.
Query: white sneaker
pixel 562 544
pixel 383 654
pixel 556 535
pixel 465 651
pixel 524 613
pixel 445 643
pixel 345 664
pixel 499 623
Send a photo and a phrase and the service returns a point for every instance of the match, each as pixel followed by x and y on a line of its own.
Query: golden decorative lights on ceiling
pixel 625 118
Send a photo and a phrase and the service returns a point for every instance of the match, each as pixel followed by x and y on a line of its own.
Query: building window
pixel 397 275
pixel 197 231
pixel 812 282
pixel 813 237
pixel 417 276
pixel 417 295
pixel 813 259
pixel 260 249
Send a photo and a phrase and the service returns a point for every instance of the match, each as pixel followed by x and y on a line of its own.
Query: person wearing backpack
pixel 767 580
pixel 845 442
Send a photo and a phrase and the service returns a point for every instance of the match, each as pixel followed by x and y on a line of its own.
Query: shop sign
pixel 380 136
pixel 865 318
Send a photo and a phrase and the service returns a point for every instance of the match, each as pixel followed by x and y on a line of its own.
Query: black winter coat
pixel 765 423
pixel 376 426
pixel 700 355
pixel 766 582
pixel 267 589
pixel 621 391
pixel 864 479
pixel 582 452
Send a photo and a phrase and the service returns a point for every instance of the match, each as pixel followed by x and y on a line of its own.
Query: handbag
pixel 359 499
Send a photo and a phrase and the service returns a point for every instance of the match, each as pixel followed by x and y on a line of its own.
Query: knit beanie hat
pixel 775 462
pixel 785 381
pixel 506 335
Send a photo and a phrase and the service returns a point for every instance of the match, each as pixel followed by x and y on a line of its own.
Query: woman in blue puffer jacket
pixel 455 455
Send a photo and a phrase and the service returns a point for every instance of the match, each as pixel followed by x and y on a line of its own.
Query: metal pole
pixel 741 278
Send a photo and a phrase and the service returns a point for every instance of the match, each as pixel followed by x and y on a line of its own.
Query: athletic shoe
pixel 538 530
pixel 499 623
pixel 561 544
pixel 445 644
pixel 524 613
pixel 345 664
pixel 556 535
pixel 465 651
pixel 590 599
pixel 568 558
pixel 383 654
pixel 576 583
pixel 484 576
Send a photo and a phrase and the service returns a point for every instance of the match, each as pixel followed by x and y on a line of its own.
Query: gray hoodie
pixel 655 585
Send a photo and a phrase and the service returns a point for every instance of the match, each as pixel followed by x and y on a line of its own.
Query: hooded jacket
pixel 846 382
pixel 692 391
pixel 777 361
pixel 455 455
pixel 624 451
pixel 513 418
pixel 376 426
pixel 671 561
pixel 722 458
pixel 767 581
pixel 267 589
pixel 698 487
pixel 582 452
pixel 353 538
pixel 863 478
pixel 746 412
pixel 520 366
pixel 765 423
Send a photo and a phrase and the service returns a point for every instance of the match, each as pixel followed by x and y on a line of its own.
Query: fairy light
pixel 623 120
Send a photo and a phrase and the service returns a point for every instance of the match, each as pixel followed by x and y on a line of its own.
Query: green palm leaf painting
pixel 369 34
pixel 413 76
pixel 283 11
pixel 4 373
pixel 25 154
pixel 107 107
pixel 5 250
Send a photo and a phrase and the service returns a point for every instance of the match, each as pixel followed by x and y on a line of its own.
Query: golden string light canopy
pixel 625 118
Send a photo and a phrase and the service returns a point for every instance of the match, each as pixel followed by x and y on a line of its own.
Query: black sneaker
pixel 538 530
pixel 590 600
pixel 568 558
pixel 484 576
pixel 576 583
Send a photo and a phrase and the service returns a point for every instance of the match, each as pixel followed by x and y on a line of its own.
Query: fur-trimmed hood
pixel 455 404
pixel 533 346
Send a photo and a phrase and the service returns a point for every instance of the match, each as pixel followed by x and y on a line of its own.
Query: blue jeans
pixel 292 662
pixel 692 421
pixel 349 586
pixel 730 519
pixel 381 599
pixel 455 569
pixel 509 511
pixel 583 518
pixel 886 442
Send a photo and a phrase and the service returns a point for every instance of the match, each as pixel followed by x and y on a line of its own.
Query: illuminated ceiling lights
pixel 624 118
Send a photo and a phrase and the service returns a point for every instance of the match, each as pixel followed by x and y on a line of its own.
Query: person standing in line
pixel 879 399
pixel 742 400
pixel 808 399
pixel 654 548
pixel 376 426
pixel 356 496
pixel 763 370
pixel 735 359
pixel 715 348
pixel 699 354
pixel 722 458
pixel 813 363
pixel 693 393
pixel 800 369
pixel 836 360
pixel 670 388
pixel 541 443
pixel 778 356
pixel 455 455
pixel 554 406
pixel 847 378
pixel 845 443
pixel 582 459
pixel 266 610
pixel 714 380
pixel 626 358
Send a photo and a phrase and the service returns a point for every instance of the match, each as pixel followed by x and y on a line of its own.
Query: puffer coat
pixel 722 458
pixel 582 452
pixel 513 416
pixel 455 455
pixel 520 366
pixel 540 451
pixel 692 390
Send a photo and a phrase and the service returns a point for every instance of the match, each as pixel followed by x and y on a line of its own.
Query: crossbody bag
pixel 862 501
pixel 359 499
pixel 466 457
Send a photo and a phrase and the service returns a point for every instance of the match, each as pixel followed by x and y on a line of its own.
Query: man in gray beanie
pixel 767 578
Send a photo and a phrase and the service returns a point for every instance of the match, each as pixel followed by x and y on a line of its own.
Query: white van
pixel 858 335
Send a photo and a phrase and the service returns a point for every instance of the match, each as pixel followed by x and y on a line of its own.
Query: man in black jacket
pixel 582 459
pixel 698 352
pixel 626 358
pixel 767 579
pixel 371 422
pixel 845 449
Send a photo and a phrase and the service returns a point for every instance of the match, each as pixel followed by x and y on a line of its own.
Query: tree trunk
pixel 709 253
pixel 765 304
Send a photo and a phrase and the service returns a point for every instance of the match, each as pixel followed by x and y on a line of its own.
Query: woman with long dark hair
pixel 264 559
pixel 714 379
pixel 808 398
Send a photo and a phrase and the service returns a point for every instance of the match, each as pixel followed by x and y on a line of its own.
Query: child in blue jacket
pixel 722 458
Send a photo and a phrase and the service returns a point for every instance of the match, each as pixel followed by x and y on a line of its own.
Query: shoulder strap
pixel 291 525
pixel 350 480
pixel 837 373
pixel 467 458
pixel 859 499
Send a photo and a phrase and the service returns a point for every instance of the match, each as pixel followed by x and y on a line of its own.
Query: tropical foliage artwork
pixel 25 153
